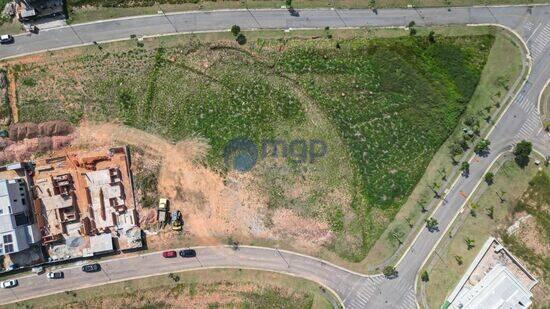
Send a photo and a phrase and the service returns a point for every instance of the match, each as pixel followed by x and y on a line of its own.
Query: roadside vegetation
pixel 493 208
pixel 196 289
pixel 384 106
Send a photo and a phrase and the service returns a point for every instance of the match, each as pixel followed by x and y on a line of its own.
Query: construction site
pixel 84 203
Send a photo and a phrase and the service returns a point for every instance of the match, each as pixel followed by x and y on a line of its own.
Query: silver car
pixel 55 275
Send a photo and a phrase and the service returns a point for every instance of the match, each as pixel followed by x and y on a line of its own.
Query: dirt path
pixel 12 96
pixel 209 207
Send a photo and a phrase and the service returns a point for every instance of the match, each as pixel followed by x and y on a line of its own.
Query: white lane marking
pixel 534 31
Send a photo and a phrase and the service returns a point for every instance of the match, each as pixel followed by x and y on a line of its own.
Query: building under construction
pixel 82 197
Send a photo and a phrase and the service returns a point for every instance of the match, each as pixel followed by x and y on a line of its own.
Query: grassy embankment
pixel 194 289
pixel 384 107
pixel 502 72
pixel 489 212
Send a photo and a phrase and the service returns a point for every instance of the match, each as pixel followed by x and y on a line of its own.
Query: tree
pixel 425 277
pixel 422 205
pixel 431 37
pixel 241 39
pixel 372 4
pixel 443 173
pixel 522 151
pixel 470 121
pixel 458 259
pixel 412 31
pixel 434 187
pixel 500 195
pixel 473 208
pixel 482 146
pixel 235 30
pixel 411 24
pixel 491 212
pixel 288 3
pixel 432 224
pixel 470 243
pixel 489 178
pixel 455 148
pixel 465 168
pixel 409 221
pixel 390 271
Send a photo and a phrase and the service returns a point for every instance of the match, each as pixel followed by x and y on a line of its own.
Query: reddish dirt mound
pixel 23 150
pixel 21 131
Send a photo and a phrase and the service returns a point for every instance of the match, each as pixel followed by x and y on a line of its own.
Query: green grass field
pixel 204 289
pixel 503 68
pixel 384 107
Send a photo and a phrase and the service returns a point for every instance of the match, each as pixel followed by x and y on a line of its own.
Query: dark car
pixel 188 253
pixel 91 268
pixel 169 254
pixel 6 39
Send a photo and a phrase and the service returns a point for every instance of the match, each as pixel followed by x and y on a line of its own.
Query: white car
pixel 8 284
pixel 55 275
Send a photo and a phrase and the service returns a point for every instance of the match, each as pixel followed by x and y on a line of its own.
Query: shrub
pixel 241 39
pixel 482 146
pixel 465 167
pixel 29 82
pixel 425 277
pixel 431 37
pixel 522 151
pixel 489 178
pixel 235 30
pixel 390 271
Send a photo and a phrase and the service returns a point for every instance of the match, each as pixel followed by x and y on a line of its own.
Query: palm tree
pixel 470 243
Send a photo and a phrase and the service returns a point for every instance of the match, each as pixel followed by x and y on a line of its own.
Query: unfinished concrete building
pixel 107 200
pixel 81 196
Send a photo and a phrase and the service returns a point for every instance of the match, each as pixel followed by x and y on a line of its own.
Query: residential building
pixel 17 231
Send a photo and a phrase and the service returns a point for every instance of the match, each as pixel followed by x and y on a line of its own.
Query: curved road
pixel 519 121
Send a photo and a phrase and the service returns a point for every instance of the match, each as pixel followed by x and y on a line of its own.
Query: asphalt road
pixel 520 121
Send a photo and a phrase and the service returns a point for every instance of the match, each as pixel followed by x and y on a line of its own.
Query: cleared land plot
pixel 486 215
pixel 196 289
pixel 384 107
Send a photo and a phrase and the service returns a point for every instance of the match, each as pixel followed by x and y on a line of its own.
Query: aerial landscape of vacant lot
pixel 384 107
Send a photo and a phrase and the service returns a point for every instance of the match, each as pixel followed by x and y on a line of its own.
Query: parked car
pixel 91 268
pixel 188 253
pixel 9 284
pixel 55 275
pixel 6 39
pixel 169 254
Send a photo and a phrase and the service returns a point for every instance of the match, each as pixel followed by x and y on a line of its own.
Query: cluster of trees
pixel 239 36
pixel 412 32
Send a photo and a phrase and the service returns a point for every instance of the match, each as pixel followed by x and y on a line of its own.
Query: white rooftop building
pixel 494 280
pixel 17 232
pixel 498 289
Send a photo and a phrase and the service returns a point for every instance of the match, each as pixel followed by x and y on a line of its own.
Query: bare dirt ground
pixel 213 207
